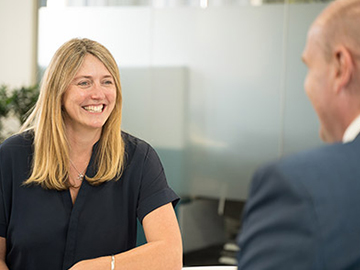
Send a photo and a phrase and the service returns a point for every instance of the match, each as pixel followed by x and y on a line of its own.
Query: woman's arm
pixel 162 251
pixel 3 254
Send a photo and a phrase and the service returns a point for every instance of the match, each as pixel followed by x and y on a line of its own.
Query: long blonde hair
pixel 50 164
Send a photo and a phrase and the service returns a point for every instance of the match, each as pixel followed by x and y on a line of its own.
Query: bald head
pixel 340 24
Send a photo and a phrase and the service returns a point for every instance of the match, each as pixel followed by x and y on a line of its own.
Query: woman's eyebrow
pixel 82 76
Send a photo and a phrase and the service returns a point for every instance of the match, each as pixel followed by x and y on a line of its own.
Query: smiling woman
pixel 69 199
pixel 60 102
pixel 90 97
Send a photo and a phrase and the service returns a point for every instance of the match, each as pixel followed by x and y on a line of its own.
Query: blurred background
pixel 216 86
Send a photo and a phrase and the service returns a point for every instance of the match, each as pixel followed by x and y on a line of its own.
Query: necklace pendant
pixel 80 176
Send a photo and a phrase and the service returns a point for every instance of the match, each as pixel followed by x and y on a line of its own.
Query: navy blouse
pixel 44 230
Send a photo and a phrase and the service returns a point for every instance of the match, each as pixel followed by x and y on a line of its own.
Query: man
pixel 303 212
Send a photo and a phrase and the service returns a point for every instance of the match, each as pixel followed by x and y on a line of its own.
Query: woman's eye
pixel 108 82
pixel 84 83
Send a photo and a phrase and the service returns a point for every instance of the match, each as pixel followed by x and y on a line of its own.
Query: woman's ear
pixel 344 67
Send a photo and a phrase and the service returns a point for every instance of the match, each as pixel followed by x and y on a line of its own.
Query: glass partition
pixel 215 86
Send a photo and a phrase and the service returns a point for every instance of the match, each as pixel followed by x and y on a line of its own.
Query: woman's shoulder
pixel 133 142
pixel 135 146
pixel 19 140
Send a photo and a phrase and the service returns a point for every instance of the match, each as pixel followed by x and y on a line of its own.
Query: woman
pixel 72 184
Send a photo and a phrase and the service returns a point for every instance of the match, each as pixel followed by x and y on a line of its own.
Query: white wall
pixel 18 38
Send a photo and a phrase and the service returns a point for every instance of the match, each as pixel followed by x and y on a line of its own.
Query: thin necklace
pixel 80 175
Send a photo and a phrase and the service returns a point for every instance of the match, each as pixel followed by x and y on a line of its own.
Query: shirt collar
pixel 352 130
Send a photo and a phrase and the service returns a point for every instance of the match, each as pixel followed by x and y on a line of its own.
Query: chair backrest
pixel 211 268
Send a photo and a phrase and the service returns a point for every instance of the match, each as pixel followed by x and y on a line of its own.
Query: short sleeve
pixel 154 189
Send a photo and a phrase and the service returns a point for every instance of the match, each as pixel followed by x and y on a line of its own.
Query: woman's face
pixel 90 97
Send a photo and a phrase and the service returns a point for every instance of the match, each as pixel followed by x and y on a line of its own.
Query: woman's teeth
pixel 94 108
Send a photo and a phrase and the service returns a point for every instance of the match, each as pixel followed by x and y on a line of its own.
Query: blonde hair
pixel 50 164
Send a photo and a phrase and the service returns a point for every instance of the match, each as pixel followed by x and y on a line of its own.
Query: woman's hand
pixel 93 264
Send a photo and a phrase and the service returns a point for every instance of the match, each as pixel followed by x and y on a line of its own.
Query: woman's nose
pixel 97 92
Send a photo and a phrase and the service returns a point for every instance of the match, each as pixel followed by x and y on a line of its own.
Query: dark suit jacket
pixel 303 212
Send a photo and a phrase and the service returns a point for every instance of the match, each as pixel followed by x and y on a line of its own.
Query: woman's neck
pixel 81 144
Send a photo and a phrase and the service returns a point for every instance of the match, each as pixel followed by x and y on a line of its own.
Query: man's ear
pixel 344 67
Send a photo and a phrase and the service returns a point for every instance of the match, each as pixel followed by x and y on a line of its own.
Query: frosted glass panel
pixel 124 31
pixel 154 109
pixel 300 121
pixel 217 91
pixel 234 91
pixel 154 104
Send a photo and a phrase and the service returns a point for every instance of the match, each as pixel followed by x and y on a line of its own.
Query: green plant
pixel 23 100
pixel 19 103
pixel 4 101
